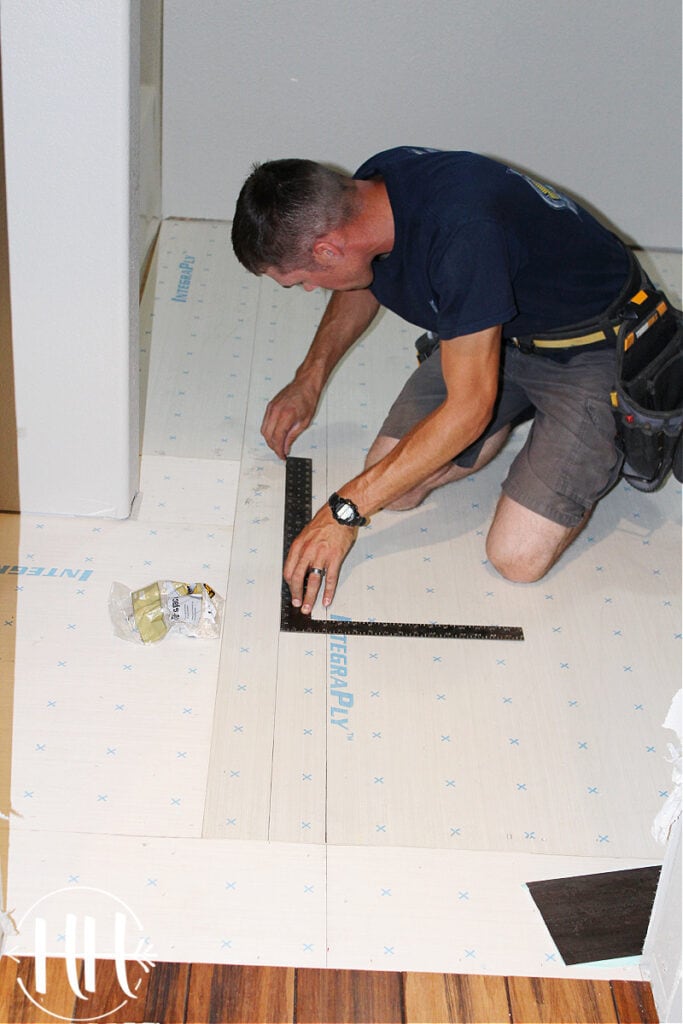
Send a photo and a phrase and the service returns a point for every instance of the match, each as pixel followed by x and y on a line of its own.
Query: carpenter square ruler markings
pixel 298 511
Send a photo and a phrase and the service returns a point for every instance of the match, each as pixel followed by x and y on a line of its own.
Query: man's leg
pixel 523 545
pixel 446 475
pixel 569 461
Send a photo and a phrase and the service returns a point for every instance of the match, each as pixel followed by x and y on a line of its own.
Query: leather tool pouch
pixel 648 398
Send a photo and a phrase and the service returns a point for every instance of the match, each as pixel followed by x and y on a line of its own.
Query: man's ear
pixel 328 248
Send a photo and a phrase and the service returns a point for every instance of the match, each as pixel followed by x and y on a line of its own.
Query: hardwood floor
pixel 227 994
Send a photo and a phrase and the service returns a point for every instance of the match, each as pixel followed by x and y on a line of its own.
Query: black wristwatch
pixel 345 512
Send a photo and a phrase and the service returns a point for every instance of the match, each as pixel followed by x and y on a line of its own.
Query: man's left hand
pixel 323 544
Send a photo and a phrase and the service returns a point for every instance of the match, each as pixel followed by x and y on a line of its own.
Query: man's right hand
pixel 288 415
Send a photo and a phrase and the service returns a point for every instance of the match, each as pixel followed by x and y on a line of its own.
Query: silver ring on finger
pixel 317 572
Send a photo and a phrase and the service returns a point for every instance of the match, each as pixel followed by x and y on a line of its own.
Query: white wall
pixel 586 93
pixel 150 126
pixel 71 108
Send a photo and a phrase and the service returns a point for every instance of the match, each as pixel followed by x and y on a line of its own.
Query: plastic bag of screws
pixel 147 615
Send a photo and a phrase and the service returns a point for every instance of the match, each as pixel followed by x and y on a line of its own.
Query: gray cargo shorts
pixel 570 458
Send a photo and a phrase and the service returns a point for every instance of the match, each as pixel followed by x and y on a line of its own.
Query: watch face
pixel 345 512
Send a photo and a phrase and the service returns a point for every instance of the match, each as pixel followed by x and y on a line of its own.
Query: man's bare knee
pixel 522 545
pixel 514 569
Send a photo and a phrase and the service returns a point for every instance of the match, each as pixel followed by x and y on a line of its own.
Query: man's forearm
pixel 470 368
pixel 347 315
pixel 429 446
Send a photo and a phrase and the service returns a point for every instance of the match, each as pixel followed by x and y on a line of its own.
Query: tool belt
pixel 647 400
pixel 598 332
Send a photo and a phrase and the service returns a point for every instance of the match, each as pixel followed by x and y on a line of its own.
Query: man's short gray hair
pixel 283 208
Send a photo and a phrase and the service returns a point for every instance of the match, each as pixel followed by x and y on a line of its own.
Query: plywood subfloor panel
pixel 197 328
pixel 109 736
pixel 186 900
pixel 294 904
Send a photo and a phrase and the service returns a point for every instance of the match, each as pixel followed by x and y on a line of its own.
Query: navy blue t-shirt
pixel 478 244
